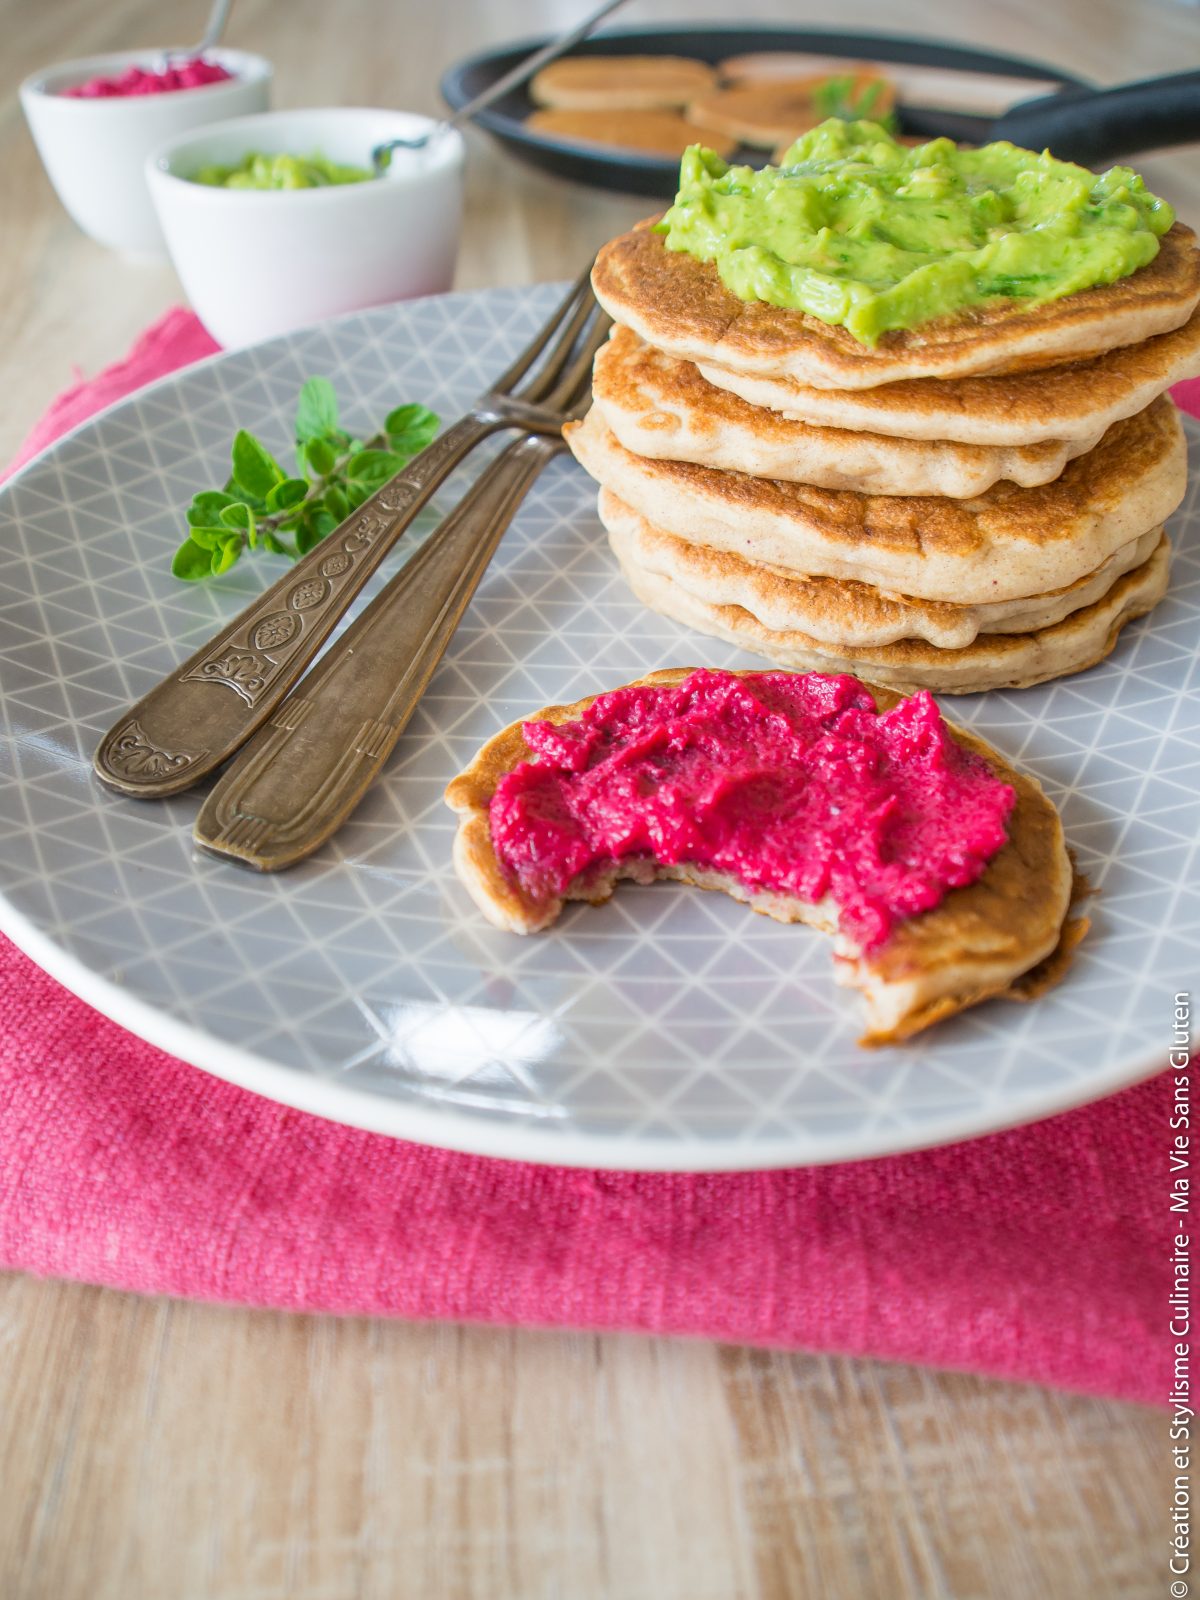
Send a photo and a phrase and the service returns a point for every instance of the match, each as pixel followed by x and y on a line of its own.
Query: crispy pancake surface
pixel 662 407
pixel 665 132
pixel 838 611
pixel 620 83
pixel 1076 400
pixel 977 943
pixel 680 305
pixel 991 661
pixel 1006 544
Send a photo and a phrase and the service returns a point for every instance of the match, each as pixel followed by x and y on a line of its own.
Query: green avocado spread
pixel 870 234
pixel 255 171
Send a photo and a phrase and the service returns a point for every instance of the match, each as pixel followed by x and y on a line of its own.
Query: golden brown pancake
pixel 767 67
pixel 838 611
pixel 662 132
pixel 1006 934
pixel 987 94
pixel 1076 400
pixel 621 83
pixel 662 407
pixel 1002 545
pixel 680 305
pixel 993 661
pixel 765 115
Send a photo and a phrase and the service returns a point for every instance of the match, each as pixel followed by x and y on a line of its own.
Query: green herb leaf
pixel 410 428
pixel 336 504
pixel 208 538
pixel 306 537
pixel 226 553
pixel 375 466
pixel 240 515
pixel 206 508
pixel 317 412
pixel 255 469
pixel 315 527
pixel 357 491
pixel 320 456
pixel 287 494
pixel 191 562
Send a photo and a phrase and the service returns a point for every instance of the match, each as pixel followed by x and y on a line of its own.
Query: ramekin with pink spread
pixel 96 120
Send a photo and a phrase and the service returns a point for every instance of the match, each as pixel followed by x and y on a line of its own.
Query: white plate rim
pixel 324 1097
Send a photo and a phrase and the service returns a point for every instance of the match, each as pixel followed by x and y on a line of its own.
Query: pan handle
pixel 1096 126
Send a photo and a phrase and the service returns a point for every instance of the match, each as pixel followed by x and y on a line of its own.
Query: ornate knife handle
pixel 201 712
pixel 299 780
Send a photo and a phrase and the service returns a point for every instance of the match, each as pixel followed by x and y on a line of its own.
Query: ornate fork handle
pixel 300 778
pixel 193 721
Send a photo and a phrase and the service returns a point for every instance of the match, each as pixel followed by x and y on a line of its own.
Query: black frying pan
pixel 1091 126
pixel 1078 123
pixel 638 172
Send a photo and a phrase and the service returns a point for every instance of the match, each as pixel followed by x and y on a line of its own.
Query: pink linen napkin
pixel 176 339
pixel 1186 396
pixel 1038 1254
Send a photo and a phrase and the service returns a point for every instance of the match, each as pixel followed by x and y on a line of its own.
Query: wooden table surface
pixel 156 1449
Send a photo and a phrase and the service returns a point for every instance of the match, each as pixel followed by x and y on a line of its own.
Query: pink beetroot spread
pixel 136 80
pixel 791 783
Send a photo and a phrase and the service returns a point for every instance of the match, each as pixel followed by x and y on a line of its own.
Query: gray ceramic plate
pixel 669 1029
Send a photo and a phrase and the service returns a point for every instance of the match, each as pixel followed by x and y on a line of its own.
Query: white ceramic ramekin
pixel 94 151
pixel 260 262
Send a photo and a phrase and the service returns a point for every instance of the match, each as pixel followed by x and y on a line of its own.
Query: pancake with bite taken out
pixel 1008 933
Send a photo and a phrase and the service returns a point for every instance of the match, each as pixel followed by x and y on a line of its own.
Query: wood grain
pixel 160 1449
pixel 153 1449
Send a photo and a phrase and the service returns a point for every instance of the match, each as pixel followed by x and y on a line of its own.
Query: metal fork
pixel 298 781
pixel 204 710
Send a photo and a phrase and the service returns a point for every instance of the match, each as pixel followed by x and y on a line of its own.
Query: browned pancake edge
pixel 680 304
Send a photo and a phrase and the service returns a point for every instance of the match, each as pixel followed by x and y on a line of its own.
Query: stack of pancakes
pixel 976 503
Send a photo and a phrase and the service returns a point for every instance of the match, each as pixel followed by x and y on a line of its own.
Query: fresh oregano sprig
pixel 262 507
